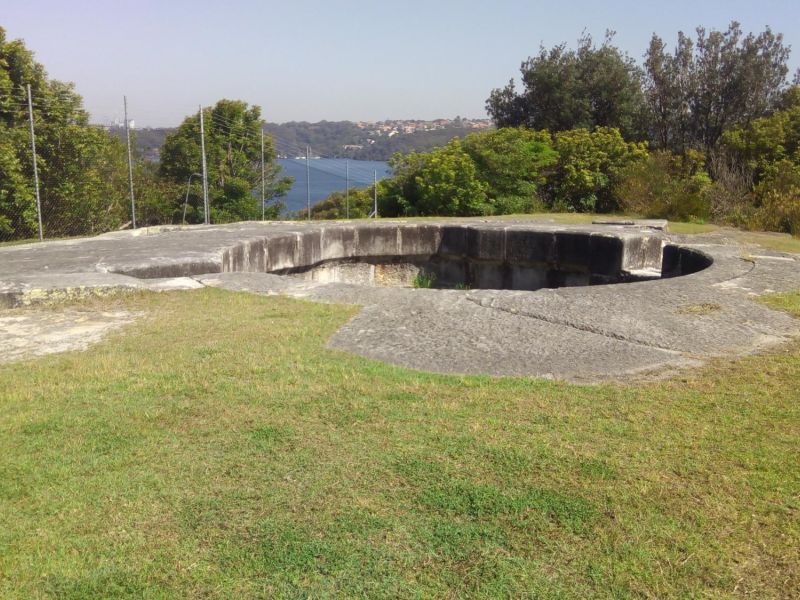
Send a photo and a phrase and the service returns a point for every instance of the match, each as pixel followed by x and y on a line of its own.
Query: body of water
pixel 327 175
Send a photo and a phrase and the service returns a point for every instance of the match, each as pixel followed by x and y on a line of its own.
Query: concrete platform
pixel 585 333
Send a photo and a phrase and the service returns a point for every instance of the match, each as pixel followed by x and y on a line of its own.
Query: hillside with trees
pixel 83 168
pixel 327 139
pixel 345 139
pixel 707 130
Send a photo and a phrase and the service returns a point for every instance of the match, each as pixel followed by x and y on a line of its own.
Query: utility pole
pixel 308 181
pixel 347 192
pixel 263 183
pixel 205 171
pixel 35 168
pixel 130 162
pixel 375 192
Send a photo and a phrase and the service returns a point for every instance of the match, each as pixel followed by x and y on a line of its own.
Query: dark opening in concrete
pixel 470 257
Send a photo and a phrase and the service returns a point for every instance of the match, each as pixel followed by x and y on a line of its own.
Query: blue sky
pixel 340 59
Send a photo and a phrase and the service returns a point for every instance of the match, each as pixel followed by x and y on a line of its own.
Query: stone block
pixel 576 279
pixel 526 247
pixel 233 259
pixel 249 256
pixel 377 241
pixel 453 241
pixel 528 278
pixel 257 256
pixel 670 261
pixel 309 248
pixel 418 240
pixel 338 243
pixel 642 252
pixel 451 273
pixel 605 255
pixel 282 252
pixel 490 276
pixel 486 244
pixel 572 251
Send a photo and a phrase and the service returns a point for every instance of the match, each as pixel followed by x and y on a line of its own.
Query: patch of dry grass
pixel 704 308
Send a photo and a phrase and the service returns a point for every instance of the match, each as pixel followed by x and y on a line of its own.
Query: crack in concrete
pixel 198 280
pixel 597 330
pixel 750 270
pixel 580 327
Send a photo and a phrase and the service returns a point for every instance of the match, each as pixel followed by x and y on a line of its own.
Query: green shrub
pixel 778 196
pixel 666 186
pixel 424 280
pixel 442 182
pixel 589 167
pixel 512 162
pixel 335 206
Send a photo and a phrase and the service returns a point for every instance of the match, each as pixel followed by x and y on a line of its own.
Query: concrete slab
pixel 575 333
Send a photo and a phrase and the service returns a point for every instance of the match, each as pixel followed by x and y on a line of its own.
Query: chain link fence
pixel 79 182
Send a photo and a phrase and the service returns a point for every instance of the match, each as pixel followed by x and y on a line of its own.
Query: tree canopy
pixel 719 80
pixel 233 155
pixel 591 86
pixel 81 168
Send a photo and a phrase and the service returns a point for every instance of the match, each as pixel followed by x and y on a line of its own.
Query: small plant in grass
pixel 424 280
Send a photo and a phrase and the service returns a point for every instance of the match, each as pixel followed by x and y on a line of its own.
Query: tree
pixel 155 195
pixel 512 162
pixel 81 168
pixel 335 206
pixel 442 182
pixel 721 80
pixel 768 140
pixel 566 89
pixel 668 85
pixel 590 165
pixel 769 148
pixel 233 155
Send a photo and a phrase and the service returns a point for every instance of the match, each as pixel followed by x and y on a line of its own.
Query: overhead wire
pixel 237 128
pixel 358 176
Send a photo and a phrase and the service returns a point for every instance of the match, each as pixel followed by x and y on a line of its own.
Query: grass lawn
pixel 216 449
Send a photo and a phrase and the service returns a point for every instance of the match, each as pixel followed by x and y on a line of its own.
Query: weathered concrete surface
pixel 582 333
pixel 26 333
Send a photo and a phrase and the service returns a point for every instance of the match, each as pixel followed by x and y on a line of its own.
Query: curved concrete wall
pixel 492 257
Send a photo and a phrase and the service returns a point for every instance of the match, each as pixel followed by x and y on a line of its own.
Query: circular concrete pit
pixel 533 297
pixel 469 257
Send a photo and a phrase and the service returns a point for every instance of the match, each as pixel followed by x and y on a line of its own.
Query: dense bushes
pixel 715 108
pixel 666 185
pixel 356 204
pixel 442 182
pixel 778 199
pixel 589 168
pixel 512 162
pixel 752 180
pixel 512 170
pixel 768 150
